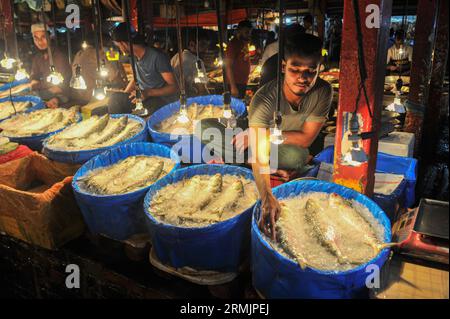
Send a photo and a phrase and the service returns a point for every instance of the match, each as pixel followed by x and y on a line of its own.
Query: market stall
pixel 117 164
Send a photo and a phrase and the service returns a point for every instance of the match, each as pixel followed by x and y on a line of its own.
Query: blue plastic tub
pixel 117 216
pixel 220 247
pixel 406 166
pixel 80 157
pixel 276 276
pixel 10 85
pixel 36 102
pixel 190 140
pixel 36 142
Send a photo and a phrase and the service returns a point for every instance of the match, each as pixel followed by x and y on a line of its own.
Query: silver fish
pixel 228 200
pixel 204 197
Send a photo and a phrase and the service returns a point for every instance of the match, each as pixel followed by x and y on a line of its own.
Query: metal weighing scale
pixel 423 232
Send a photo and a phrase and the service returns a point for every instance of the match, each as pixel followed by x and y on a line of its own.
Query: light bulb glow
pixel 276 137
pixel 21 74
pixel 78 83
pixel 99 93
pixel 55 78
pixel 218 62
pixel 183 117
pixel 84 45
pixel 7 63
pixel 227 113
pixel 277 21
pixel 103 70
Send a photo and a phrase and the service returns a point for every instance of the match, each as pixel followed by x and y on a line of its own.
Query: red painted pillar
pixel 375 41
pixel 421 67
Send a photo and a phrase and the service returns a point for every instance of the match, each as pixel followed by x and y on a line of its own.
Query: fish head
pixel 238 186
pixel 216 182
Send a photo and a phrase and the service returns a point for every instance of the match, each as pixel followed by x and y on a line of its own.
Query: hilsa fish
pixel 204 197
pixel 286 230
pixel 228 200
pixel 324 229
pixel 357 223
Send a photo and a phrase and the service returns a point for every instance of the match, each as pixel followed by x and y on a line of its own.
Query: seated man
pixel 153 70
pixel 190 55
pixel 305 104
pixel 399 55
pixel 55 95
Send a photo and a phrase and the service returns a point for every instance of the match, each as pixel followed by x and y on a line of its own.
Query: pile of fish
pixel 38 122
pixel 126 176
pixel 195 112
pixel 203 200
pixel 7 146
pixel 9 108
pixel 327 232
pixel 95 132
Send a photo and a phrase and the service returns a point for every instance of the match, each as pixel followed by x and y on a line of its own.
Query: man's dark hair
pixel 303 45
pixel 308 18
pixel 400 34
pixel 120 34
pixel 245 24
pixel 294 30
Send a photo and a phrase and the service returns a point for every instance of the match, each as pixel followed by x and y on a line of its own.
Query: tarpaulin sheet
pixel 35 142
pixel 37 203
pixel 19 152
pixel 36 102
pixel 117 216
pixel 80 157
pixel 168 110
pixel 220 247
pixel 276 276
pixel 386 163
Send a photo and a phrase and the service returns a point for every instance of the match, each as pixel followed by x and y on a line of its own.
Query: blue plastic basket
pixel 80 157
pixel 168 110
pixel 276 276
pixel 117 216
pixel 36 102
pixel 220 247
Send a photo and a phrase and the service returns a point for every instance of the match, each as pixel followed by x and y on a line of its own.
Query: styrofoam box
pixel 396 143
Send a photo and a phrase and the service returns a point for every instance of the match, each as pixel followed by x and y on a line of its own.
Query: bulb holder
pixel 55 77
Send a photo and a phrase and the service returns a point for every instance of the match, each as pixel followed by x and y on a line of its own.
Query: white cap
pixel 37 27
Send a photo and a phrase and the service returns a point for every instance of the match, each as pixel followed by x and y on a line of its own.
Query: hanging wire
pixel 100 24
pixel 54 21
pixel 49 51
pixel 96 23
pixel 221 51
pixel 180 49
pixel 280 54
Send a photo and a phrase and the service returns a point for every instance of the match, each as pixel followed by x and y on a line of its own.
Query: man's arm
pixel 305 137
pixel 169 89
pixel 261 171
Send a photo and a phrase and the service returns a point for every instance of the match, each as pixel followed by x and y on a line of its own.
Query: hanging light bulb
pixel 103 70
pixel 84 45
pixel 139 109
pixel 401 50
pixel 21 73
pixel 99 92
pixel 355 156
pixel 206 4
pixel 201 76
pixel 7 63
pixel 276 134
pixel 77 81
pixel 277 20
pixel 183 116
pixel 54 77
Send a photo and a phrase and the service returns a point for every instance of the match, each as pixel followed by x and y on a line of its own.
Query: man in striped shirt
pixel 399 55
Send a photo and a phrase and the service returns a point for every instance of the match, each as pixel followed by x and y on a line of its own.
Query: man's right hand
pixel 270 212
